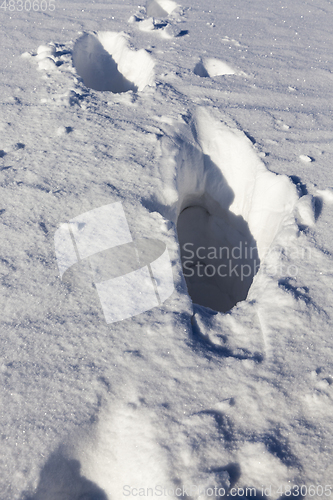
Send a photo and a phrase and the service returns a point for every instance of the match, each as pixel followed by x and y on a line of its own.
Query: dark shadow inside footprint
pixel 182 33
pixel 301 188
pixel 233 470
pixel 318 206
pixel 219 254
pixel 200 70
pixel 60 479
pixel 160 25
pixel 97 67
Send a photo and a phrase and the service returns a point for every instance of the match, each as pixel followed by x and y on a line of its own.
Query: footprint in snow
pixel 105 460
pixel 61 479
pixel 105 62
pixel 230 212
pixel 160 16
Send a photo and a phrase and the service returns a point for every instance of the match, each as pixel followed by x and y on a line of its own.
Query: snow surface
pixel 211 124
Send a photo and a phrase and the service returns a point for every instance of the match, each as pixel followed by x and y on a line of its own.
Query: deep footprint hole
pixel 106 63
pixel 219 254
pixel 230 208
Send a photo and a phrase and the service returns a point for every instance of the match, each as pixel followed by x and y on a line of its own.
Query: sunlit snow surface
pixel 210 123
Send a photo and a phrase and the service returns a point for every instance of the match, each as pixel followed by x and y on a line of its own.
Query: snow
pixel 127 132
pixel 160 8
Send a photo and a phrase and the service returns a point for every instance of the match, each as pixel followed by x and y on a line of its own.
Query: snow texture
pixel 133 137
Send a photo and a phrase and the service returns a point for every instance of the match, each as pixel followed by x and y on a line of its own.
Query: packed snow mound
pixel 160 8
pixel 228 210
pixel 105 62
pixel 211 66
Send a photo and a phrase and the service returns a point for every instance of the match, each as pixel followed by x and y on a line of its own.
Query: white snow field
pixel 204 128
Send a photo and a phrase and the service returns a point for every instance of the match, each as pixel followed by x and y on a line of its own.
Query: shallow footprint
pixel 210 67
pixel 160 16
